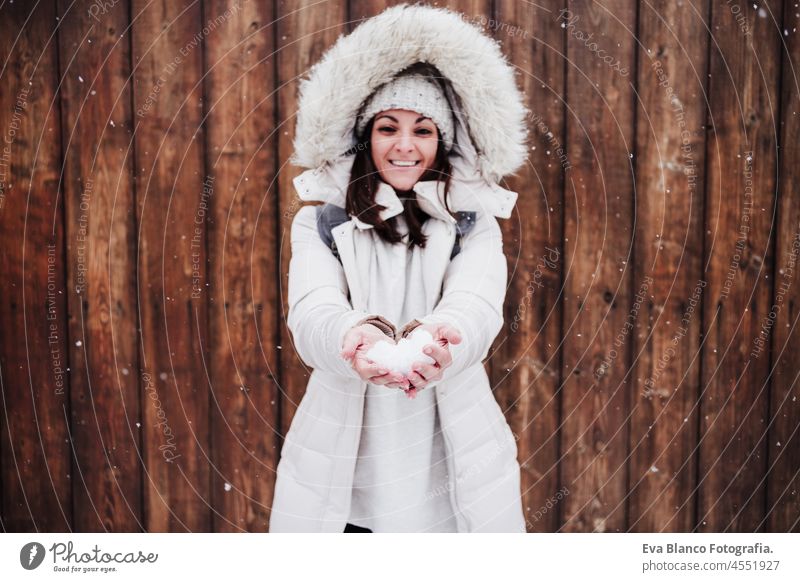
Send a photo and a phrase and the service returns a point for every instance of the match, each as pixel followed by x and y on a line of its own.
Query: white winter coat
pixel 326 297
pixel 315 473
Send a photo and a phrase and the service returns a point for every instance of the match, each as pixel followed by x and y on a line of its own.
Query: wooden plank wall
pixel 647 363
pixel 739 256
pixel 38 476
pixel 670 147
pixel 526 366
pixel 783 452
pixel 97 186
pixel 244 310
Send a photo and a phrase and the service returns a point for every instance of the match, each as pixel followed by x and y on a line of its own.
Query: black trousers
pixel 350 528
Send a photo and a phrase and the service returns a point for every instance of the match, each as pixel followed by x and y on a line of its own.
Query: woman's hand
pixel 357 342
pixel 422 373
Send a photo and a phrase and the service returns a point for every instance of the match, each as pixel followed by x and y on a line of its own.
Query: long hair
pixel 365 179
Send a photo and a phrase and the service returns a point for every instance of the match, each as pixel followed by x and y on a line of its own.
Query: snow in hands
pixel 399 357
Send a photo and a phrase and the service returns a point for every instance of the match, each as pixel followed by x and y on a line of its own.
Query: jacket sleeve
pixel 319 309
pixel 473 292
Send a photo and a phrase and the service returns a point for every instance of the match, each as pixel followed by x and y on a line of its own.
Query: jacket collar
pixel 429 197
pixel 468 192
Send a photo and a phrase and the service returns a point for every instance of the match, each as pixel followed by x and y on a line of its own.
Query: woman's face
pixel 403 145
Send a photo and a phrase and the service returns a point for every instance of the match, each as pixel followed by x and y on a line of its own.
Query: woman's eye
pixel 421 131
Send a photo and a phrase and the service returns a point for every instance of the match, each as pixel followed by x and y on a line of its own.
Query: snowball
pixel 400 356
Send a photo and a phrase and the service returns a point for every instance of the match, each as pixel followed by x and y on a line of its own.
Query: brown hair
pixel 364 179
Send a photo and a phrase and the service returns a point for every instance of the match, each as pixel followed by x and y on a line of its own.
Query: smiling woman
pixel 359 456
pixel 406 132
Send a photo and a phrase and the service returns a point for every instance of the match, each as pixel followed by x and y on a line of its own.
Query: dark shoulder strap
pixel 465 221
pixel 329 216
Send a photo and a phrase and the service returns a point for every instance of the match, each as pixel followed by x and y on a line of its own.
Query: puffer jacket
pixel 326 296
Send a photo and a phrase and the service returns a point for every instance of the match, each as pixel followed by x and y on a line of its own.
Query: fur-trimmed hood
pixel 491 117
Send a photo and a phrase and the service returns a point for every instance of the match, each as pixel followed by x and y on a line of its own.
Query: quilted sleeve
pixel 473 293
pixel 319 309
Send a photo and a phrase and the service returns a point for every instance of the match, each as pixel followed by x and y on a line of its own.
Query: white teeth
pixel 402 163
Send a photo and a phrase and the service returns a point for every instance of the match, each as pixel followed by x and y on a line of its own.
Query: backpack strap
pixel 465 221
pixel 329 216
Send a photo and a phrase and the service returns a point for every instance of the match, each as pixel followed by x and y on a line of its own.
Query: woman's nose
pixel 404 143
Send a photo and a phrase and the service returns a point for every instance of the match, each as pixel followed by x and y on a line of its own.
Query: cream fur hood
pixel 491 118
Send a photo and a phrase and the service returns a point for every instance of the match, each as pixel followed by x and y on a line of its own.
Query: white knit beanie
pixel 415 93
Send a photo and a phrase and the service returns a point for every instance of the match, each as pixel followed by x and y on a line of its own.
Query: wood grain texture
pixel 670 148
pixel 601 310
pixel 244 314
pixel 97 126
pixel 740 200
pixel 37 474
pixel 783 453
pixel 525 367
pixel 174 196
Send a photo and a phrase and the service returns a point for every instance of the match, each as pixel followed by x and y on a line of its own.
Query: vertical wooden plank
pixel 740 202
pixel 34 360
pixel 97 126
pixel 601 308
pixel 243 263
pixel 471 9
pixel 783 454
pixel 670 146
pixel 174 197
pixel 526 364
pixel 305 30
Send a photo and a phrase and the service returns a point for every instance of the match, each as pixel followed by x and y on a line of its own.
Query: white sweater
pixel 400 482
